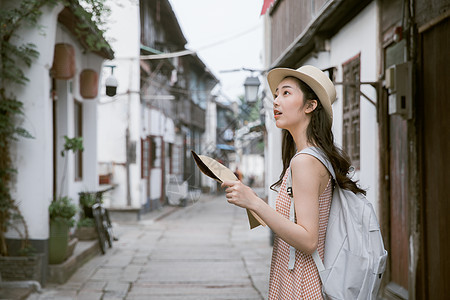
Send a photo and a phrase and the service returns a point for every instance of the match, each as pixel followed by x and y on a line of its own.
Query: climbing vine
pixel 14 58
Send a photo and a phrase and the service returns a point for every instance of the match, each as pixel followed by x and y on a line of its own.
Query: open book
pixel 212 168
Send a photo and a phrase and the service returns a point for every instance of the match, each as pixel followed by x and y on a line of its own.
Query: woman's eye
pixel 286 93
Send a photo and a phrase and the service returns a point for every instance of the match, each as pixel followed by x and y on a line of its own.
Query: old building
pixel 60 99
pixel 158 114
pixel 386 60
pixel 323 34
pixel 413 44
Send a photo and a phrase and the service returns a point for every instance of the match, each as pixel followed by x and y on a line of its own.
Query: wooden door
pixel 434 120
pixel 399 208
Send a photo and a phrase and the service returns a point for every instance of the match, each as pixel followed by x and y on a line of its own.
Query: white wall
pixel 116 114
pixel 68 92
pixel 252 165
pixel 158 125
pixel 362 29
pixel 272 150
pixel 33 158
pixel 358 36
pixel 210 138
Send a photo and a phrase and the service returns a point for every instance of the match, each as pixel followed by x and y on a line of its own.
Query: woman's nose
pixel 275 101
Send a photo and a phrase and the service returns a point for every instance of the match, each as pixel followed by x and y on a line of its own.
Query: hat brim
pixel 275 76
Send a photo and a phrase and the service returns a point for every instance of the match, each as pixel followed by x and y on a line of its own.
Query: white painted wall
pixel 33 158
pixel 68 92
pixel 210 138
pixel 252 165
pixel 116 114
pixel 158 125
pixel 358 36
pixel 272 151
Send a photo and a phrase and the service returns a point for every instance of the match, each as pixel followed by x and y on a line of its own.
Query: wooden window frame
pixel 351 110
pixel 78 132
pixel 145 158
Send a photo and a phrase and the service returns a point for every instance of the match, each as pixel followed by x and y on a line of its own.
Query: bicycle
pixel 102 225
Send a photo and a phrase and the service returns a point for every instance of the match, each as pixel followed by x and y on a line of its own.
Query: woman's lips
pixel 276 114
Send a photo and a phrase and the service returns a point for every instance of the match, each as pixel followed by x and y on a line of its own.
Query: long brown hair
pixel 319 134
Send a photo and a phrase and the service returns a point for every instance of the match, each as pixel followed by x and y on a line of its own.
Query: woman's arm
pixel 306 184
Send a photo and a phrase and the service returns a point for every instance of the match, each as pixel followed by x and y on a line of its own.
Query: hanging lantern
pixel 63 62
pixel 88 84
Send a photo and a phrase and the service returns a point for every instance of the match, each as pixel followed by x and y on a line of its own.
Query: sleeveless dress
pixel 303 282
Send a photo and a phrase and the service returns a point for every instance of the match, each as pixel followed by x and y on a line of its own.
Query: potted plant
pixel 86 229
pixel 62 211
pixel 86 201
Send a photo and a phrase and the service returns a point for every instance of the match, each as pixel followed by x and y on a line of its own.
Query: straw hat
pixel 317 80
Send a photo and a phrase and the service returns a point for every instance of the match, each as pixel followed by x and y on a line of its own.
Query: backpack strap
pixel 317 153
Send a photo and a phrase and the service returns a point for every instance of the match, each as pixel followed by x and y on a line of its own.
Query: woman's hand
pixel 239 194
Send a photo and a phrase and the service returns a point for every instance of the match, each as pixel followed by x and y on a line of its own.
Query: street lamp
pixel 251 86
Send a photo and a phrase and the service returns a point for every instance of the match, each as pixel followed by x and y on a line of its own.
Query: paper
pixel 212 168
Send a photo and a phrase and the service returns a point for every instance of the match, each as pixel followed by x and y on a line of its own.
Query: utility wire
pixel 191 52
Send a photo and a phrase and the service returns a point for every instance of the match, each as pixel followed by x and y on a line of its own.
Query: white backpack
pixel 354 257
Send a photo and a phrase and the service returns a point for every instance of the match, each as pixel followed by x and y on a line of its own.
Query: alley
pixel 202 251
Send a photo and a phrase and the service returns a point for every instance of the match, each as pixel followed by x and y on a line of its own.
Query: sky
pixel 227 34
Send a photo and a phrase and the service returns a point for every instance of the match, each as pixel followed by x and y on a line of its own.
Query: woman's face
pixel 288 104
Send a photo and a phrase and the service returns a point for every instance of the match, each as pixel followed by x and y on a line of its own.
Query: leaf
pixel 24 133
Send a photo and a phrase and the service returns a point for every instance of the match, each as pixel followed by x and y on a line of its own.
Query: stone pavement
pixel 203 251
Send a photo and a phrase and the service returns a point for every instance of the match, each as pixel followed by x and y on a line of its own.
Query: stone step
pixel 84 251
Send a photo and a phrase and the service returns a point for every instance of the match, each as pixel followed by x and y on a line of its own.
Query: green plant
pixel 87 199
pixel 14 57
pixel 27 251
pixel 85 222
pixel 63 210
pixel 71 144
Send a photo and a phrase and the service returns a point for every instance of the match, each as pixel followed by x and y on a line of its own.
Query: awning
pixel 225 147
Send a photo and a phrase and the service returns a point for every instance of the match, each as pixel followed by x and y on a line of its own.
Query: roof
pixel 68 18
pixel 325 25
pixel 175 34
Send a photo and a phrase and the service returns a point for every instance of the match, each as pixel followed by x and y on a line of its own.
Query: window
pixel 145 144
pixel 351 110
pixel 78 132
pixel 170 157
pixel 155 152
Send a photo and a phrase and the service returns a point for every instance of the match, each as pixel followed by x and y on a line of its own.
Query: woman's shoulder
pixel 307 164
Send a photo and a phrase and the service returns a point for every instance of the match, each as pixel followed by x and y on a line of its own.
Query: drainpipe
pixel 127 164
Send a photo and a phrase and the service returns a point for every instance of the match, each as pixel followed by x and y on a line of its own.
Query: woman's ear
pixel 310 106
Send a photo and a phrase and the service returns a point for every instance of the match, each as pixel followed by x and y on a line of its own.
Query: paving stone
pixel 202 251
pixel 94 286
pixel 90 295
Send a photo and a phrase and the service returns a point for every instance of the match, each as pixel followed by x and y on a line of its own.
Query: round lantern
pixel 63 62
pixel 88 84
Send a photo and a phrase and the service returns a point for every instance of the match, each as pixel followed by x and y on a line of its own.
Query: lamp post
pixel 251 86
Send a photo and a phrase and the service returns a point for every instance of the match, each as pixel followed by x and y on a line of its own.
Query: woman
pixel 302 108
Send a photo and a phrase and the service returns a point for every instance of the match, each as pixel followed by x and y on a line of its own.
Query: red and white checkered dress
pixel 303 282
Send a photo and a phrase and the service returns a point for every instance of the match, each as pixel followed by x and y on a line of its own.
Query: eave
pixel 329 21
pixel 67 18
